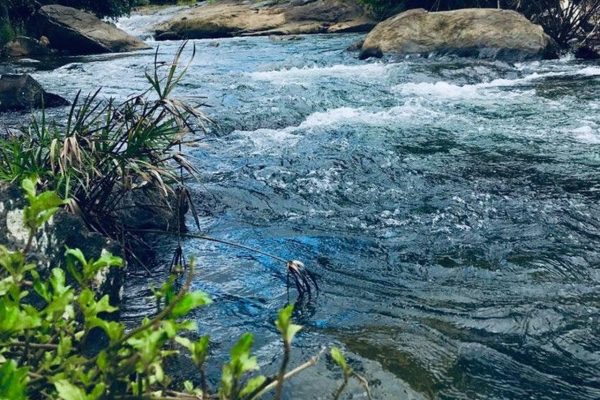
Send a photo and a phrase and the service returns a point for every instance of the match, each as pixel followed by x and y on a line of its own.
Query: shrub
pixel 57 342
pixel 7 33
pixel 107 152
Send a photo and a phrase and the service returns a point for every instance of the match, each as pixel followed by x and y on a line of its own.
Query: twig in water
pixel 302 278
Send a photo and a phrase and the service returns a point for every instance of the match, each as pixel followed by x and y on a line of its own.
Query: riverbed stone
pixel 22 92
pixel 23 46
pixel 237 18
pixel 48 245
pixel 483 33
pixel 80 32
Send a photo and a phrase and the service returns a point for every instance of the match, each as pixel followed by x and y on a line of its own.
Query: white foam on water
pixel 349 115
pixel 448 90
pixel 587 134
pixel 266 139
pixel 437 89
pixel 269 139
pixel 294 75
pixel 589 71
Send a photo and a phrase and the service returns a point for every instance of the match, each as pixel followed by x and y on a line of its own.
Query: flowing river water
pixel 449 209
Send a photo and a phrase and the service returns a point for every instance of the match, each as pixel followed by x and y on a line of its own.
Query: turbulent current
pixel 448 208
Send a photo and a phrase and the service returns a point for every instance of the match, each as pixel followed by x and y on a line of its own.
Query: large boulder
pixel 22 92
pixel 484 33
pixel 235 18
pixel 80 32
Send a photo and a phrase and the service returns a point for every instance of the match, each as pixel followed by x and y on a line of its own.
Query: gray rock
pixel 483 33
pixel 22 92
pixel 80 32
pixel 48 245
pixel 236 18
pixel 356 46
pixel 23 46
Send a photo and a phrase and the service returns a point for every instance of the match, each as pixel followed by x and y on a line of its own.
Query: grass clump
pixel 7 32
pixel 108 154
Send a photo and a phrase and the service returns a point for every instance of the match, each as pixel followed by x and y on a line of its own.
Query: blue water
pixel 448 208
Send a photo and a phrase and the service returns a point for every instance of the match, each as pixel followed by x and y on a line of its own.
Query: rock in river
pixel 23 46
pixel 483 33
pixel 22 92
pixel 80 32
pixel 235 18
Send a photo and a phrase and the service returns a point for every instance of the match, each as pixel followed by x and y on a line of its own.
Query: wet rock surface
pixel 48 245
pixel 80 32
pixel 482 33
pixel 230 18
pixel 22 92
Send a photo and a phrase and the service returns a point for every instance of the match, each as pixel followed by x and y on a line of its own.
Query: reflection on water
pixel 449 209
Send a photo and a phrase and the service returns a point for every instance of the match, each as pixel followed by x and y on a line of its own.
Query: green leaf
pixel 113 329
pixel 91 308
pixel 189 302
pixel 13 381
pixel 41 208
pixel 243 346
pixel 284 324
pixel 67 391
pixel 28 187
pixel 339 358
pixel 6 285
pixel 108 260
pixel 77 254
pixel 48 200
pixel 13 319
pixel 57 280
pixel 200 350
pixel 252 385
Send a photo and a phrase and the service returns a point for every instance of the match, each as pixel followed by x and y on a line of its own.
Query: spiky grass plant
pixel 108 153
pixel 113 159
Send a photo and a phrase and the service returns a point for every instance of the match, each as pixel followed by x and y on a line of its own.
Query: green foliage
pixel 12 381
pixel 47 324
pixel 7 32
pixel 101 157
pixel 338 357
pixel 284 324
pixel 41 207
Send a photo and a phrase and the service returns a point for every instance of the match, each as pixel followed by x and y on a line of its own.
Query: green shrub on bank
pixel 58 342
pixel 7 33
pixel 108 151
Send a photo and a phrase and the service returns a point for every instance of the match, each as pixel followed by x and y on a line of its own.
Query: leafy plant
pixel 57 340
pixel 7 33
pixel 108 154
pixel 347 373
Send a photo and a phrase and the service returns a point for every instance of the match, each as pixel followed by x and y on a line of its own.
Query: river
pixel 449 209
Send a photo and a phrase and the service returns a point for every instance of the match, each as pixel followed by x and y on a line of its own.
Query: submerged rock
pixel 22 92
pixel 483 33
pixel 23 46
pixel 234 18
pixel 80 32
pixel 356 46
